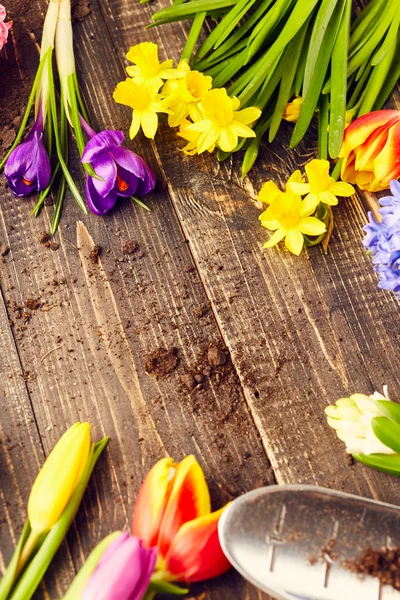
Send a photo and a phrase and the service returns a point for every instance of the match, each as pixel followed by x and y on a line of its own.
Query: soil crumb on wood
pixel 94 254
pixel 129 247
pixel 4 249
pixel 33 303
pixel 161 362
pixel 80 10
pixel 216 357
pixel 43 237
pixel 383 564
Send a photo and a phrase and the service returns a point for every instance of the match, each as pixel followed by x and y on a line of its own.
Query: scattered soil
pixel 94 254
pixel 129 247
pixel 216 357
pixel 383 564
pixel 80 10
pixel 33 303
pixel 43 238
pixel 200 311
pixel 4 249
pixel 161 362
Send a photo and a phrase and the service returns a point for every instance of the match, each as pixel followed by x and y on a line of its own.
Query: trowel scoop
pixel 298 541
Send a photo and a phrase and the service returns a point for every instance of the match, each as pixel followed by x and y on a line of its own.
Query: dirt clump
pixel 94 254
pixel 129 247
pixel 43 238
pixel 161 362
pixel 383 564
pixel 33 303
pixel 4 249
pixel 216 357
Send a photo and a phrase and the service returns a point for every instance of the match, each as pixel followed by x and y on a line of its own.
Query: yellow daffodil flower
pixel 289 219
pixel 270 191
pixel 320 187
pixel 58 478
pixel 192 137
pixel 145 105
pixel 222 123
pixel 186 94
pixel 147 68
pixel 292 110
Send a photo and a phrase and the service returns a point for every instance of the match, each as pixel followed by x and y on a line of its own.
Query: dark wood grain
pixel 86 345
pixel 315 328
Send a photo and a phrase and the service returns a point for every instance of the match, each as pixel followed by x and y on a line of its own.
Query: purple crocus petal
pixel 123 572
pixel 97 203
pixel 102 142
pixel 28 167
pixel 130 161
pixel 105 168
pixel 127 183
pixel 148 184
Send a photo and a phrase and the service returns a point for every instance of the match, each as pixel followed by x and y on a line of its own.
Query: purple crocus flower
pixel 28 167
pixel 122 172
pixel 123 572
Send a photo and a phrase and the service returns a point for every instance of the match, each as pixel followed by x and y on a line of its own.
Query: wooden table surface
pixel 300 332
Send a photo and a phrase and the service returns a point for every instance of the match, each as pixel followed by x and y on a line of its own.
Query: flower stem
pixel 193 36
pixel 27 110
pixel 142 204
pixel 336 171
pixel 27 551
pixel 42 559
pixel 8 580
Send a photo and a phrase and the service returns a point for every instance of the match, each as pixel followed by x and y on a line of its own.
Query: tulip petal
pixel 360 129
pixel 188 499
pixel 151 501
pixel 195 553
pixel 58 478
pixel 387 163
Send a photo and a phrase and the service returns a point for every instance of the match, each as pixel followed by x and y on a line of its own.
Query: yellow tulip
pixel 58 478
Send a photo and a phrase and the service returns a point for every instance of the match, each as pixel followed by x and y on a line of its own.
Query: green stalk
pixel 81 103
pixel 193 36
pixel 76 123
pixel 53 110
pixel 253 149
pixel 28 107
pixel 338 85
pixel 390 82
pixel 182 11
pixel 44 193
pixel 323 119
pixel 267 26
pixel 36 569
pixel 336 171
pixel 142 204
pixel 7 582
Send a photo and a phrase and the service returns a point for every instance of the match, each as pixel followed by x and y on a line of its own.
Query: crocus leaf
pixel 388 463
pixel 387 432
pixel 391 410
pixel 8 579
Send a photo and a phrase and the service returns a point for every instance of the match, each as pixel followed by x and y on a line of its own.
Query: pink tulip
pixel 4 27
pixel 123 572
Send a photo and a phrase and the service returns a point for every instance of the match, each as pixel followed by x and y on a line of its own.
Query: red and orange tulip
pixel 173 513
pixel 371 150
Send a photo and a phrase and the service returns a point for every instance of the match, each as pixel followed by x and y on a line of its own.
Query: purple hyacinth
pixel 383 240
pixel 123 572
pixel 28 167
pixel 122 172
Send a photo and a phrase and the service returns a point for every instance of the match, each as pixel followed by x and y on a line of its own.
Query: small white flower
pixel 351 418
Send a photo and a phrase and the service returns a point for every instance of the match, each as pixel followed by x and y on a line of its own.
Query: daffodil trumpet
pixel 54 500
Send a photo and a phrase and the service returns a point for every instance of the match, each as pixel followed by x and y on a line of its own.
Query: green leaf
pixel 163 587
pixel 193 36
pixel 388 463
pixel 390 409
pixel 319 31
pixel 310 99
pixel 387 432
pixel 390 82
pixel 182 11
pixel 7 581
pixel 339 83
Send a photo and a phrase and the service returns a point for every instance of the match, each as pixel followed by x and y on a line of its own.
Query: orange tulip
pixel 371 150
pixel 173 513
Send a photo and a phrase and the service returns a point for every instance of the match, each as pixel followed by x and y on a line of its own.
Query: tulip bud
pixel 123 572
pixel 173 513
pixel 58 478
pixel 371 150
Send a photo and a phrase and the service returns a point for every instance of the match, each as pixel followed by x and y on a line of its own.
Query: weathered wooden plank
pixel 85 345
pixel 316 327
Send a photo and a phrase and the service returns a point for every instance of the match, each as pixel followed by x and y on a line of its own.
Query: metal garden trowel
pixel 299 541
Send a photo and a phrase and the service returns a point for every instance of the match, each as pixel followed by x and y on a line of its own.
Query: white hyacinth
pixel 351 418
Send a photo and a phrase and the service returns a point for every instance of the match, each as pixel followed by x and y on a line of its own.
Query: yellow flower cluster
pixel 289 215
pixel 207 118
